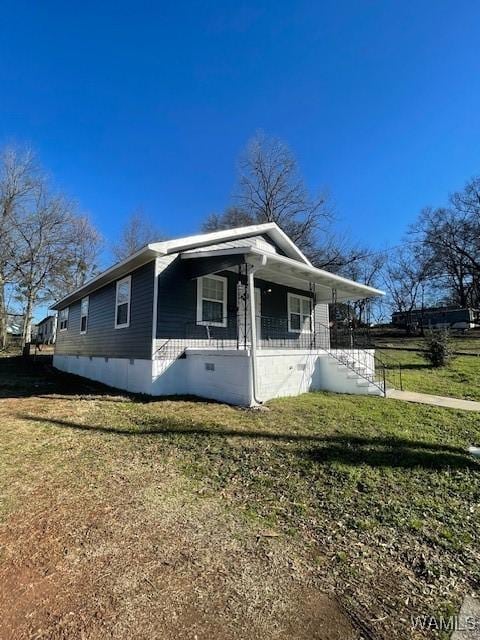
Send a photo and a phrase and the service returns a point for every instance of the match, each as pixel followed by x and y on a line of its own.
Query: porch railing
pixel 349 347
pixel 232 332
pixel 387 368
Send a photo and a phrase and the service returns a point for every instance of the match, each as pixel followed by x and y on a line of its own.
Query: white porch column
pixel 253 312
pixel 253 324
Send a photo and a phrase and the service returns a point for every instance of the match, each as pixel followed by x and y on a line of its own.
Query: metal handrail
pixel 276 333
pixel 392 367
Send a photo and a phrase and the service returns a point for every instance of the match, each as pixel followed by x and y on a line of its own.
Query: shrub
pixel 439 350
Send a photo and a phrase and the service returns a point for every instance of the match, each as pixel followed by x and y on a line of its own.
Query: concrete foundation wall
pixel 223 375
pixel 228 381
pixel 121 373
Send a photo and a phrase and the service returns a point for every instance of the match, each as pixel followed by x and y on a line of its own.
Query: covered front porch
pixel 252 298
pixel 262 329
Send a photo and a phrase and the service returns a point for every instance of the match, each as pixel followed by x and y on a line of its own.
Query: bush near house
pixel 438 351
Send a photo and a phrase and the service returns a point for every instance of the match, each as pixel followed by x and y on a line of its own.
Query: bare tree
pixel 44 244
pixel 367 268
pixel 467 201
pixel 136 233
pixel 271 189
pixel 232 217
pixel 48 245
pixel 19 179
pixel 404 279
pixel 450 241
pixel 83 244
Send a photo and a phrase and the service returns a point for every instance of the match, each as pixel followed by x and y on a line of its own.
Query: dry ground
pixel 325 517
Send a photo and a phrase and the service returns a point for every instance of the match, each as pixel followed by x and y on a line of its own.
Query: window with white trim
pixel 212 301
pixel 122 303
pixel 299 314
pixel 64 319
pixel 84 315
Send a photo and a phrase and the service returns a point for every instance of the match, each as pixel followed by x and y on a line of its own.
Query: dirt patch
pixel 152 562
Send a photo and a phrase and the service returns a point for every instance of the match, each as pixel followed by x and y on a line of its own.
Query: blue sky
pixel 148 104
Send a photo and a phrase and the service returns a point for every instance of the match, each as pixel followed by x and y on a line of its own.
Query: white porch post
pixel 251 302
pixel 253 325
pixel 334 322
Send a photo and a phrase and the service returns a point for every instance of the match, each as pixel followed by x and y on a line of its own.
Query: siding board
pixel 102 339
pixel 177 306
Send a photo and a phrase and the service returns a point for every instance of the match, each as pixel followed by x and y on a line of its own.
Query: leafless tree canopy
pixel 19 178
pixel 403 279
pixel 271 189
pixel 46 248
pixel 232 217
pixel 449 238
pixel 137 232
pixel 366 267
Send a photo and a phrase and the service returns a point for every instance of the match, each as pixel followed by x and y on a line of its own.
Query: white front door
pixel 244 333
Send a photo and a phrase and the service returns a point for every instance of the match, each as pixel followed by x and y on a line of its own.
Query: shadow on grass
pixel 28 377
pixel 35 377
pixel 416 366
pixel 347 449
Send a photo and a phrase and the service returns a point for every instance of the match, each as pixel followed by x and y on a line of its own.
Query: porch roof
pixel 281 270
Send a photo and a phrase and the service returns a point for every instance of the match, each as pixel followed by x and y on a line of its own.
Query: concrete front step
pixel 373 390
pixel 358 375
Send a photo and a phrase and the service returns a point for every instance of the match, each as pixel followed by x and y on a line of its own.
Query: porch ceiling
pixel 281 270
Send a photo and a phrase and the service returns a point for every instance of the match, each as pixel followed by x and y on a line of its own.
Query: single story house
pixel 239 315
pixel 451 317
pixel 47 330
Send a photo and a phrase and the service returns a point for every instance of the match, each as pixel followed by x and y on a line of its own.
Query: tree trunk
pixel 27 321
pixel 3 314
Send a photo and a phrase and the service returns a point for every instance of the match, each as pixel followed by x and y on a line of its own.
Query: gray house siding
pixel 102 339
pixel 177 306
pixel 177 303
pixel 274 311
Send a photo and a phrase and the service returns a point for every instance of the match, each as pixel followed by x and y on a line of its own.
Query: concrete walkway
pixel 468 621
pixel 437 401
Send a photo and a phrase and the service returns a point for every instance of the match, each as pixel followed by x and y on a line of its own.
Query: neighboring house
pixel 47 330
pixel 437 318
pixel 240 316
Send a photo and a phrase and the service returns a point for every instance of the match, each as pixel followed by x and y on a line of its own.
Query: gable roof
pixel 190 243
pixel 203 239
pixel 154 249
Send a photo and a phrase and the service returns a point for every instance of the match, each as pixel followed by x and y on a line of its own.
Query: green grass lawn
pixel 374 500
pixel 459 379
pixel 462 342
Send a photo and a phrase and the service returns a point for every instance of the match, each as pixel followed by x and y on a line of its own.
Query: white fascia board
pixel 203 239
pixel 320 276
pixel 269 228
pixel 283 241
pixel 192 255
pixel 303 272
